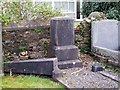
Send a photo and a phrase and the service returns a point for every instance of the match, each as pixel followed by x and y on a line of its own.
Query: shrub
pixel 25 9
pixel 111 9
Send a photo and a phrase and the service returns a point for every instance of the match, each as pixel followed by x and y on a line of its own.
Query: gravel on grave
pixel 85 78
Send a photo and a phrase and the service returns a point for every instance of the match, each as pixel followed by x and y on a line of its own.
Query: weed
pixel 110 67
pixel 38 30
pixel 5 59
pixel 21 48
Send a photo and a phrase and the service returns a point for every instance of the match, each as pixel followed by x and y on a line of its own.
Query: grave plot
pixel 62 52
pixel 105 40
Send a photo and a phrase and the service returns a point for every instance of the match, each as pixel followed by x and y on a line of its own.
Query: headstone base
pixel 67 56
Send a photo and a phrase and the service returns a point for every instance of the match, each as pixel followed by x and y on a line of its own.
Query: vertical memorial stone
pixel 62 42
pixel 62 32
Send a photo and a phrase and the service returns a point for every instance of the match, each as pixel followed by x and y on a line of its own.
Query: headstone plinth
pixel 62 42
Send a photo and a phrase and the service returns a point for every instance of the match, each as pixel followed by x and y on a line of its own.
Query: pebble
pixel 84 78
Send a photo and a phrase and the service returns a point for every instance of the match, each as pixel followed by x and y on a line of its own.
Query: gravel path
pixel 85 78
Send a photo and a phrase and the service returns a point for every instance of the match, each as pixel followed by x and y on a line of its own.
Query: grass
pixel 0 81
pixel 29 81
pixel 110 67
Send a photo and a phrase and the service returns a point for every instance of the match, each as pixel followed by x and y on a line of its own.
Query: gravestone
pixel 105 34
pixel 105 40
pixel 0 48
pixel 62 42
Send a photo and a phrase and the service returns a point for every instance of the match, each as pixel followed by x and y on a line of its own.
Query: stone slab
pixel 38 66
pixel 97 67
pixel 62 31
pixel 70 64
pixel 105 34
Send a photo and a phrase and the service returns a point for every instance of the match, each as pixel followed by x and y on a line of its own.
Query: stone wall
pixel 83 31
pixel 83 37
pixel 23 44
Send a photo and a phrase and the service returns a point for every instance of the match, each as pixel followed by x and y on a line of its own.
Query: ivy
pixel 111 9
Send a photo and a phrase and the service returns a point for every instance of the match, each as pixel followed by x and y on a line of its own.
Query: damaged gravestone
pixel 62 43
pixel 44 66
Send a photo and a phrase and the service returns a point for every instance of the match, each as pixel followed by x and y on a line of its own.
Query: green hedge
pixel 111 9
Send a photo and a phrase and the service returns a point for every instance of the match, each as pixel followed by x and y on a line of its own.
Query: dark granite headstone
pixel 62 42
pixel 62 32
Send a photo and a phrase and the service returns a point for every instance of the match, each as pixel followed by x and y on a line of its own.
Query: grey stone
pixel 9 42
pixel 97 67
pixel 69 64
pixel 105 39
pixel 105 34
pixel 38 66
pixel 61 31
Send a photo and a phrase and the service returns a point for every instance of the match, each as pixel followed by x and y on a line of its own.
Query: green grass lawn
pixel 29 81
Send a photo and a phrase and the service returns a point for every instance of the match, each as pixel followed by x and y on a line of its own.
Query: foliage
pixel 111 9
pixel 110 67
pixel 38 30
pixel 21 48
pixel 31 81
pixel 25 9
pixel 84 31
pixel 5 59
